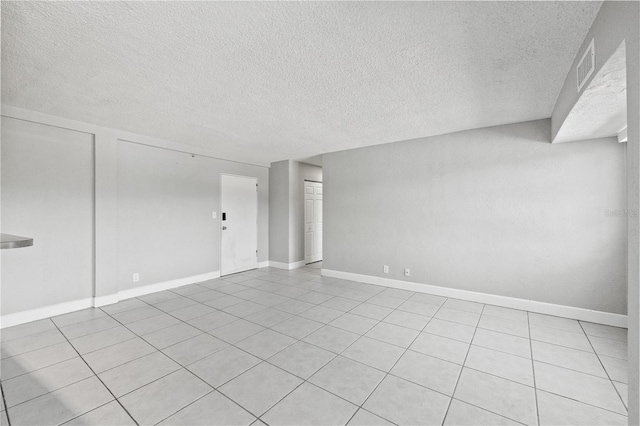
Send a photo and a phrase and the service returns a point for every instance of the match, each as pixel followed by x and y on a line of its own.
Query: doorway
pixel 312 221
pixel 239 224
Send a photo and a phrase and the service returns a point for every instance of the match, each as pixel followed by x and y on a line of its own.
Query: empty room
pixel 320 213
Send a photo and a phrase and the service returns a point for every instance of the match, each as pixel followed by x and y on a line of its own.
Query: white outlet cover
pixel 214 215
pixel 407 272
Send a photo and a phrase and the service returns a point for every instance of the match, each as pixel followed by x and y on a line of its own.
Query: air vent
pixel 586 65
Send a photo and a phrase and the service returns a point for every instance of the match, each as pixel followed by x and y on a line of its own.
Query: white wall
pixel 47 194
pixel 287 209
pixel 279 212
pixel 165 204
pixel 103 204
pixel 617 22
pixel 497 210
pixel 298 174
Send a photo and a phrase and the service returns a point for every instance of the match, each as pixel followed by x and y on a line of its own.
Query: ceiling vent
pixel 586 65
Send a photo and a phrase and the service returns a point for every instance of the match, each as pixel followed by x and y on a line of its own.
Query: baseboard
pixel 76 305
pixel 581 314
pixel 109 299
pixel 264 264
pixel 287 266
pixel 18 318
pixel 166 285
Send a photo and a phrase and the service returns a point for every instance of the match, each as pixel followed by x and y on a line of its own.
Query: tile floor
pixel 291 347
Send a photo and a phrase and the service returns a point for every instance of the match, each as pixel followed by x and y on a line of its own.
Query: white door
pixel 239 222
pixel 312 221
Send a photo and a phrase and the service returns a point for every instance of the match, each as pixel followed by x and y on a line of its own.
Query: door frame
pixel 220 219
pixel 304 193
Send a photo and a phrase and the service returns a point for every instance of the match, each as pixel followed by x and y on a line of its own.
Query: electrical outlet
pixel 385 269
pixel 136 277
pixel 407 272
pixel 214 215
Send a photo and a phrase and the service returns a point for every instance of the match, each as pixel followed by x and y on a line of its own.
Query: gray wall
pixel 279 212
pixel 497 210
pixel 101 209
pixel 299 172
pixel 617 22
pixel 47 194
pixel 286 207
pixel 165 202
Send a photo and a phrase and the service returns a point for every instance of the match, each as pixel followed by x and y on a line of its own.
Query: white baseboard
pixel 76 305
pixel 166 285
pixel 581 314
pixel 18 318
pixel 109 299
pixel 288 266
pixel 264 264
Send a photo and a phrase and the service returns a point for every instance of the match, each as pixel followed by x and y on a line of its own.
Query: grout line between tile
pixel 463 367
pixel 533 371
pixel 4 401
pixel 624 403
pixel 103 384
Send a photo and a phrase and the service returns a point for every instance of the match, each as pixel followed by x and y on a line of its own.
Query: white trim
pixel 166 285
pixel 125 136
pixel 76 305
pixel 109 299
pixel 18 318
pixel 287 266
pixel 623 136
pixel 572 312
pixel 264 264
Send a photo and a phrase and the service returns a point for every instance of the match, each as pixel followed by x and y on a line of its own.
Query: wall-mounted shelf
pixel 8 241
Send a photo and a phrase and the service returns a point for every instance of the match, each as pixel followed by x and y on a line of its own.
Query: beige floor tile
pixel 428 371
pixel 579 386
pixel 34 360
pixel 394 334
pixel 374 353
pixel 137 373
pixel 194 349
pixel 403 402
pixel 62 405
pixel 503 342
pixel 457 315
pixel 500 364
pixel 573 359
pixel 557 410
pixel 310 405
pixel 260 388
pixel 451 330
pixel 163 398
pixel 501 396
pixel 44 380
pixel 441 347
pixel 366 418
pixel 302 359
pixel 331 338
pixel 118 354
pixel 224 365
pixel 214 409
pixel 111 414
pixel 348 379
pixel 463 414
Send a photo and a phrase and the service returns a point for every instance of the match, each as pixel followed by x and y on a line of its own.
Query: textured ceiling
pixel 601 110
pixel 266 81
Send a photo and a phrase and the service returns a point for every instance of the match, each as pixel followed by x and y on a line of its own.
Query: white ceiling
pixel 601 110
pixel 265 81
